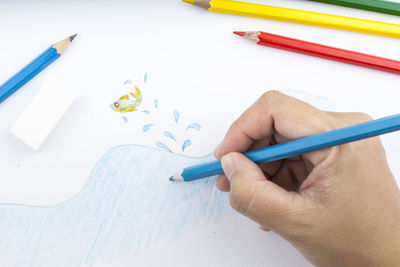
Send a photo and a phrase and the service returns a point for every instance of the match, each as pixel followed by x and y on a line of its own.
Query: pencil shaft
pixel 34 68
pixel 380 6
pixel 27 73
pixel 303 145
pixel 328 52
pixel 305 17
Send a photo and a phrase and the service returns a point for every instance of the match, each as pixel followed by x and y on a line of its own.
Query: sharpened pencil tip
pixel 240 33
pixel 201 3
pixel 71 38
pixel 252 36
pixel 177 177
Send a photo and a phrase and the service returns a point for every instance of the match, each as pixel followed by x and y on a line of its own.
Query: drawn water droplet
pixel 146 111
pixel 176 116
pixel 128 81
pixel 186 144
pixel 145 77
pixel 156 103
pixel 163 146
pixel 170 135
pixel 147 127
pixel 125 119
pixel 194 126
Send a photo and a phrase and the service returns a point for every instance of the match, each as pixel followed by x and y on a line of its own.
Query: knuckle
pixel 363 117
pixel 271 96
pixel 350 118
pixel 272 100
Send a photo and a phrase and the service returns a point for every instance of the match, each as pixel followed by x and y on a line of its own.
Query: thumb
pixel 253 195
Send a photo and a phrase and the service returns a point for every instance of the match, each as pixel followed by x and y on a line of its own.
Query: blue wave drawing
pixel 127 205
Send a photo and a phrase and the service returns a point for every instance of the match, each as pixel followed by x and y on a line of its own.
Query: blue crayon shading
pixel 163 146
pixel 170 135
pixel 125 119
pixel 194 126
pixel 156 103
pixel 147 127
pixel 145 77
pixel 176 116
pixel 123 209
pixel 146 111
pixel 186 144
pixel 128 81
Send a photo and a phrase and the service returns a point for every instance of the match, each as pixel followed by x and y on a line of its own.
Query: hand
pixel 338 207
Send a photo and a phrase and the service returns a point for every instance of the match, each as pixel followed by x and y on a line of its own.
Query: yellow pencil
pixel 299 16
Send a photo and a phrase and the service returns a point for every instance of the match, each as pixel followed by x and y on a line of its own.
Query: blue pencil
pixel 299 146
pixel 34 68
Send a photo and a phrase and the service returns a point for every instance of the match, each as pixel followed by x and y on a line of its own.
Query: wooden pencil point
pixel 252 36
pixel 177 177
pixel 201 3
pixel 62 45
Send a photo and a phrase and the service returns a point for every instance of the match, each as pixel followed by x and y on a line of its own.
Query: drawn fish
pixel 128 102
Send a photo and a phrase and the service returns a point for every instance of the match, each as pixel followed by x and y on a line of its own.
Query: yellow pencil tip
pixel 190 1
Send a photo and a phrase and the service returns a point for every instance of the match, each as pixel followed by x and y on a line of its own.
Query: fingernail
pixel 228 165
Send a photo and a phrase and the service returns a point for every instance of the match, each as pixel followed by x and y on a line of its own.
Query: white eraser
pixel 42 114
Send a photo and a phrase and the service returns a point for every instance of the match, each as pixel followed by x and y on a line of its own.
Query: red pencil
pixel 323 51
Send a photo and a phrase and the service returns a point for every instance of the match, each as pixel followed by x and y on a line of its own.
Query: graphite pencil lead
pixel 71 38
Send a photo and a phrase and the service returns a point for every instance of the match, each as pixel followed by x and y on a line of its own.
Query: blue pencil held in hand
pixel 298 147
pixel 34 68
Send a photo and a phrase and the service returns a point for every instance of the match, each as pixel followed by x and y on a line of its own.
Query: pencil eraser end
pixel 42 115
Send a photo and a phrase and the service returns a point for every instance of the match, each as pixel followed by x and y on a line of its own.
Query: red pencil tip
pixel 240 33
